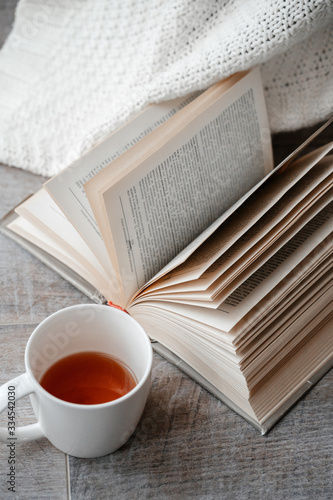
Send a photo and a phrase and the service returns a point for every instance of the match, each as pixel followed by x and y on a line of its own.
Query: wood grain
pixel 40 469
pixel 187 445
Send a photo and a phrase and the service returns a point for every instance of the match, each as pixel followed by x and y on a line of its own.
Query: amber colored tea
pixel 88 378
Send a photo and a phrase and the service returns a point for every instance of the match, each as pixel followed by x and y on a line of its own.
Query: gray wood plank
pixel 30 291
pixel 188 445
pixel 40 469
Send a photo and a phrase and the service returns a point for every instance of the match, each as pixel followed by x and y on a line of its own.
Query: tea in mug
pixel 88 378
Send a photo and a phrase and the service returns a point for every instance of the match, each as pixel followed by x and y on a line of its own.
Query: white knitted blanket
pixel 72 71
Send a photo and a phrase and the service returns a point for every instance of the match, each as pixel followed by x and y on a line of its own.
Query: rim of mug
pixel 97 405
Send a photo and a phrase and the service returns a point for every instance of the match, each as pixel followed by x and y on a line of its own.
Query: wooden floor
pixel 187 444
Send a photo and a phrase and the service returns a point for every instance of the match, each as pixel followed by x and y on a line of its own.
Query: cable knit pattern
pixel 72 71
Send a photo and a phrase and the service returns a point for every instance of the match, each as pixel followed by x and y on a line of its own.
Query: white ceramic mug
pixel 81 430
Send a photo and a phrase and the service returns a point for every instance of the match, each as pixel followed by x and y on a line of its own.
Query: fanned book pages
pixel 181 219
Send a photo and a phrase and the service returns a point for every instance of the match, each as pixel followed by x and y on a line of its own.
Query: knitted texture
pixel 71 71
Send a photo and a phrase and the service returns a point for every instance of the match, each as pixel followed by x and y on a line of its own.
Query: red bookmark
pixel 111 304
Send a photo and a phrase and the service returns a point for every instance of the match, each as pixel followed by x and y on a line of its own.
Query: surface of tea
pixel 88 378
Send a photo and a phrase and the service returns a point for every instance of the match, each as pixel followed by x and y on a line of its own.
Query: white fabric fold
pixel 71 71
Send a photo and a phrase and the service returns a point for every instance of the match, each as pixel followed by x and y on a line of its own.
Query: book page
pixel 54 231
pixel 275 186
pixel 290 377
pixel 297 371
pixel 242 253
pixel 249 344
pixel 31 233
pixel 289 330
pixel 181 260
pixel 219 252
pixel 306 273
pixel 234 334
pixel 67 187
pixel 176 193
pixel 266 278
pixel 263 281
pixel 222 288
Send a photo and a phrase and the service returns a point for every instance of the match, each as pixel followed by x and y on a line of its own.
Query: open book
pixel 180 218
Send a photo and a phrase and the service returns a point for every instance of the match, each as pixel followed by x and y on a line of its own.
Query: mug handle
pixel 21 387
